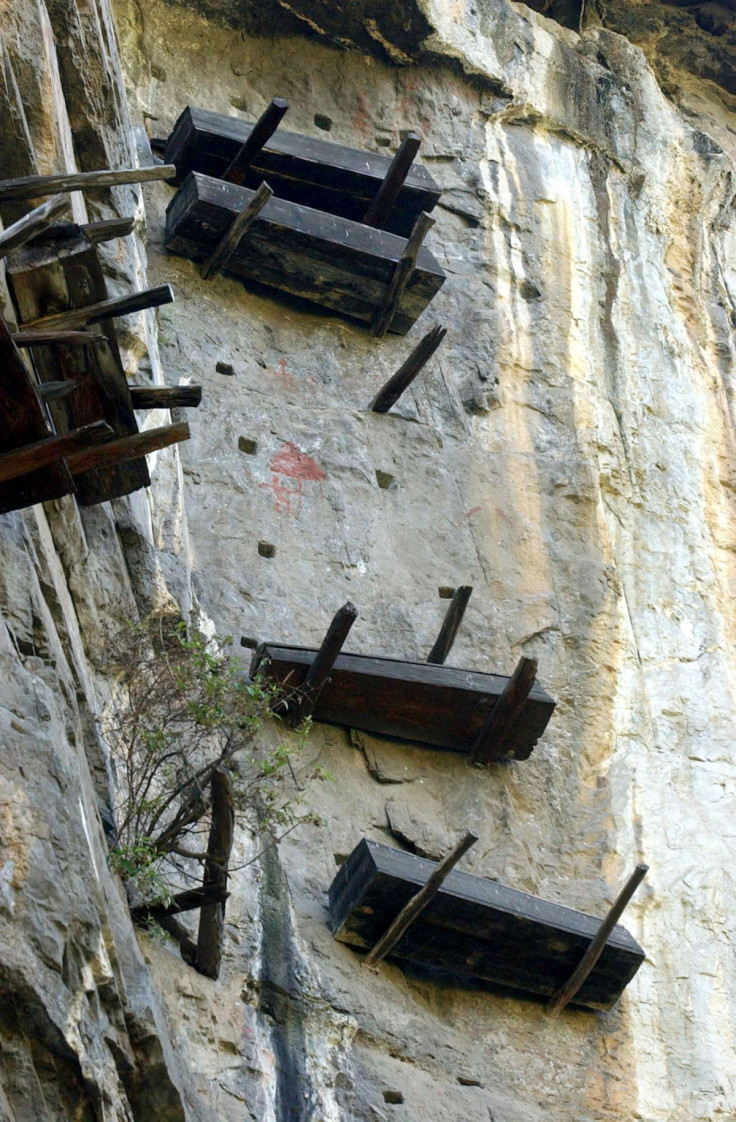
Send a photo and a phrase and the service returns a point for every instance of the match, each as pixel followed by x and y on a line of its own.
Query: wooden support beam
pixel 230 240
pixel 219 846
pixel 29 227
pixel 35 186
pixel 31 457
pixel 393 181
pixel 128 448
pixel 260 135
pixel 67 338
pixel 55 391
pixel 105 309
pixel 450 624
pixel 418 902
pixel 402 275
pixel 108 229
pixel 166 397
pixel 187 901
pixel 324 660
pixel 407 372
pixel 567 993
pixel 505 713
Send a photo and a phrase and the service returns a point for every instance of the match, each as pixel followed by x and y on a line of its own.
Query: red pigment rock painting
pixel 291 469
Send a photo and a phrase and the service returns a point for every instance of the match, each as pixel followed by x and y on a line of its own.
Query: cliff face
pixel 570 454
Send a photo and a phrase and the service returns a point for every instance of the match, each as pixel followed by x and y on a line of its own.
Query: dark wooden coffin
pixel 476 929
pixel 60 272
pixel 315 173
pixel 331 261
pixel 433 705
pixel 23 421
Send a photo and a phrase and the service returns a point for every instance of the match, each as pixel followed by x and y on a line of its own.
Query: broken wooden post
pixel 240 225
pixel 490 743
pixel 31 225
pixel 219 845
pixel 260 134
pixel 402 275
pixel 418 903
pixel 166 397
pixel 105 309
pixel 108 228
pixel 407 372
pixel 34 186
pixel 393 181
pixel 324 660
pixel 450 624
pixel 67 338
pixel 31 457
pixel 128 448
pixel 187 901
pixel 566 993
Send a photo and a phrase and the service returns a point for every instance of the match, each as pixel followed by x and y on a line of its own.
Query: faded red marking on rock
pixel 291 469
pixel 469 514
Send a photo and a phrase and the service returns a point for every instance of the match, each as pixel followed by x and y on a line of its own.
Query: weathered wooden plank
pixel 259 135
pixel 108 228
pixel 574 984
pixel 389 394
pixel 104 309
pixel 315 173
pixel 239 227
pixel 401 277
pixel 219 846
pixel 476 929
pixel 128 448
pixel 68 338
pixel 23 421
pixel 36 186
pixel 29 227
pixel 438 706
pixel 411 911
pixel 498 731
pixel 31 457
pixel 54 391
pixel 66 273
pixel 187 901
pixel 379 210
pixel 450 624
pixel 339 264
pixel 166 397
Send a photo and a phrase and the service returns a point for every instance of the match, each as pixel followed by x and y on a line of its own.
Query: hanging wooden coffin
pixel 315 173
pixel 331 261
pixel 476 929
pixel 433 705
pixel 53 275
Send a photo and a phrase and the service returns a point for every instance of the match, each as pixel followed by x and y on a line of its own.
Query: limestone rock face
pixel 569 453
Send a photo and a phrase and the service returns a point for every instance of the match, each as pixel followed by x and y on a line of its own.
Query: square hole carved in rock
pixel 393 1097
pixel 248 445
pixel 386 481
pixel 266 549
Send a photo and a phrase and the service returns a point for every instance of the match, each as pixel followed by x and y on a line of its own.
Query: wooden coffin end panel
pixel 307 170
pixel 437 706
pixel 338 264
pixel 476 929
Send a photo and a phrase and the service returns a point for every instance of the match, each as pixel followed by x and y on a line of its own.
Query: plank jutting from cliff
pixel 316 173
pixel 56 275
pixel 432 705
pixel 331 261
pixel 476 929
pixel 22 422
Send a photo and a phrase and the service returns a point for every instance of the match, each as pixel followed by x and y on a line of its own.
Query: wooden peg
pixel 260 135
pixel 393 181
pixel 453 619
pixel 240 225
pixel 407 372
pixel 108 229
pixel 35 186
pixel 402 275
pixel 128 448
pixel 490 744
pixel 219 847
pixel 37 455
pixel 32 224
pixel 566 993
pixel 418 902
pixel 166 397
pixel 105 309
pixel 67 338
pixel 318 673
